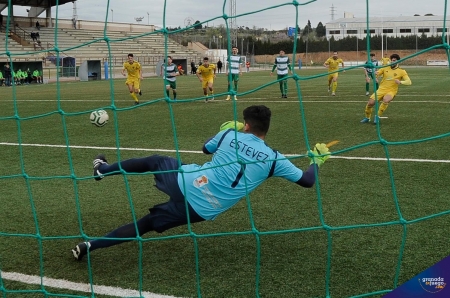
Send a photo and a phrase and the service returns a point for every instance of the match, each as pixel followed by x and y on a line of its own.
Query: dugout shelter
pixel 90 70
pixel 32 65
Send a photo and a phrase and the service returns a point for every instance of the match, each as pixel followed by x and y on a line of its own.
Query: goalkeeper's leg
pixel 153 163
pixel 162 217
pixel 143 226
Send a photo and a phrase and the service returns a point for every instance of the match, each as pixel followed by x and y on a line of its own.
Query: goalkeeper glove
pixel 319 155
pixel 231 124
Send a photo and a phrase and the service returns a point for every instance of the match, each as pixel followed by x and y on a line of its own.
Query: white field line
pixel 200 152
pixel 78 287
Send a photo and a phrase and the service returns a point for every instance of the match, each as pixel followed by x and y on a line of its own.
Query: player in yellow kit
pixel 332 64
pixel 385 60
pixel 134 77
pixel 393 76
pixel 206 73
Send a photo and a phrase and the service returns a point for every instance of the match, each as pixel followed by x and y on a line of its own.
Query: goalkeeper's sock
pixel 367 87
pixel 382 108
pixel 174 94
pixel 133 165
pixel 281 88
pixel 285 87
pixel 235 86
pixel 168 93
pixel 334 87
pixel 133 95
pixel 368 111
pixel 127 231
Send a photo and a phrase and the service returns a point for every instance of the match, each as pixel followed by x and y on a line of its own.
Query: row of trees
pixel 248 45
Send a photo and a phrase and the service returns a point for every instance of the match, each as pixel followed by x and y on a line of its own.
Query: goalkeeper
pixel 209 189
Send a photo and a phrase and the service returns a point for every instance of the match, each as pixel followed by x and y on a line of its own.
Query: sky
pixel 178 12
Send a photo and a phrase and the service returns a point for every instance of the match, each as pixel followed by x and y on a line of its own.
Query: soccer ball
pixel 99 118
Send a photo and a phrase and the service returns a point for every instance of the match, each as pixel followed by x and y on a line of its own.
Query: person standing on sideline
pixel 8 75
pixel 241 162
pixel 134 77
pixel 206 73
pixel 233 67
pixel 193 67
pixel 332 64
pixel 282 64
pixel 169 71
pixel 369 73
pixel 219 66
pixel 247 65
pixel 38 26
pixel 393 76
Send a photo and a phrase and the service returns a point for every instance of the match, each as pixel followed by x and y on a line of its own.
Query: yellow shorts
pixel 136 83
pixel 382 93
pixel 333 75
pixel 207 81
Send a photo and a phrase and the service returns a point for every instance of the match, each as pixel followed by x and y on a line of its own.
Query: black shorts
pixel 172 213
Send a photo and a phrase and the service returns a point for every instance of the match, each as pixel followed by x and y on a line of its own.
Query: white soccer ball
pixel 99 118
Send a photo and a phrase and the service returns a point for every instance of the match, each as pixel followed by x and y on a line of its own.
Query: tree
pixel 321 30
pixel 197 25
pixel 308 29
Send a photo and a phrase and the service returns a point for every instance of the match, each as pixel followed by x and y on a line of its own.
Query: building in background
pixel 430 25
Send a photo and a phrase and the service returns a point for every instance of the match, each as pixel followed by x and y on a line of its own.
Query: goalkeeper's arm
pixel 204 149
pixel 309 177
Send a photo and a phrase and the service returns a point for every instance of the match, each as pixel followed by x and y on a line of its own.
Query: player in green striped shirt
pixel 169 71
pixel 234 67
pixel 282 64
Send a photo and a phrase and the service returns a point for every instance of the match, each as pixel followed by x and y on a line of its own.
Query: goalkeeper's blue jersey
pixel 238 166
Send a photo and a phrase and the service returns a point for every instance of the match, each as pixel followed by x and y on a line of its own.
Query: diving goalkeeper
pixel 209 189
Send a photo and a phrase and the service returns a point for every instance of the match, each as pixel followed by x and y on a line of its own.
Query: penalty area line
pixel 78 287
pixel 201 152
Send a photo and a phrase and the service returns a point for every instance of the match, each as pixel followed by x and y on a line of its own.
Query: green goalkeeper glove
pixel 319 155
pixel 231 124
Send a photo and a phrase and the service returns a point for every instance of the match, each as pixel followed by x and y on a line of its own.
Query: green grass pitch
pixel 48 196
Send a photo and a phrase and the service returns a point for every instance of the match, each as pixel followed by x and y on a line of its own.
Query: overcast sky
pixel 177 11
